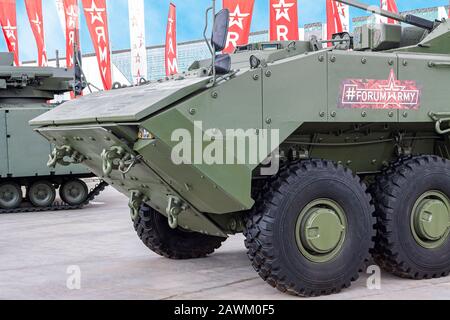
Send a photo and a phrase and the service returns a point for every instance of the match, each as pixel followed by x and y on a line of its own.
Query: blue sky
pixel 190 15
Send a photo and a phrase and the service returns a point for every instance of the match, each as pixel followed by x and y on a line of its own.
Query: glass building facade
pixel 188 52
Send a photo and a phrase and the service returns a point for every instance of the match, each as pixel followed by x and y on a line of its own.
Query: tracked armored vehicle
pixel 352 143
pixel 26 183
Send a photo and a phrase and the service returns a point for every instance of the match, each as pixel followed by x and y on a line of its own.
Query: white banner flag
pixel 442 13
pixel 137 38
pixel 61 14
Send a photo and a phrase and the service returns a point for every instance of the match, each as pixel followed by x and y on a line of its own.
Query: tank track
pixel 59 206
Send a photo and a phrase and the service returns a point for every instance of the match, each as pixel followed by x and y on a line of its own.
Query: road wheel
pixel 42 194
pixel 311 230
pixel 10 195
pixel 74 192
pixel 413 218
pixel 154 231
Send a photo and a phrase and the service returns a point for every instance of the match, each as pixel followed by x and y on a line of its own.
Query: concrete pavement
pixel 37 250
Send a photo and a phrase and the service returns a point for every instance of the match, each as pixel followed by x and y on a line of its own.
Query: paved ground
pixel 37 249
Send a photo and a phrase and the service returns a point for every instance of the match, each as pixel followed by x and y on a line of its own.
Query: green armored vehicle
pixel 322 156
pixel 24 95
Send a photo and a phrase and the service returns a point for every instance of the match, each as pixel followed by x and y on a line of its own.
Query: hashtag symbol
pixel 350 94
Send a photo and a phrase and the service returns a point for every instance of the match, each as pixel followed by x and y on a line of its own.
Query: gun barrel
pixel 409 19
pixel 373 9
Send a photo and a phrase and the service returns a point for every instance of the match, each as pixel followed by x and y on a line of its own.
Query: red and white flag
pixel 338 18
pixel 137 38
pixel 283 20
pixel 171 42
pixel 34 11
pixel 389 5
pixel 97 21
pixel 241 12
pixel 72 13
pixel 8 23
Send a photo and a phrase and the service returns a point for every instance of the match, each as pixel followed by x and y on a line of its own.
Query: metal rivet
pixel 192 111
pixel 390 62
pixel 405 114
pixel 363 114
pixel 333 114
pixel 321 58
pixel 374 161
pixel 322 114
pixel 255 77
pixel 333 59
pixel 405 63
pixel 268 73
pixel 363 60
pixel 431 64
pixel 268 121
pixel 391 114
pixel 214 95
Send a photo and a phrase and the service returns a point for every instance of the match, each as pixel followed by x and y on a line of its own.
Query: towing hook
pixel 174 208
pixel 137 198
pixel 116 158
pixel 60 153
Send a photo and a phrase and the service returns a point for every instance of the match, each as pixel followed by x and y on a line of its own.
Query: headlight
pixel 145 134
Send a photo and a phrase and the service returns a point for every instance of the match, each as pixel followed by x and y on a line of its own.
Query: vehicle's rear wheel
pixel 412 201
pixel 74 192
pixel 10 195
pixel 311 230
pixel 42 194
pixel 154 231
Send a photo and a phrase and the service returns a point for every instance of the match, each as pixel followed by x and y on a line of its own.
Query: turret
pixel 408 19
pixel 31 83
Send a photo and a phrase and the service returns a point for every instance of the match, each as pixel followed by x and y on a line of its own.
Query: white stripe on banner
pixel 442 13
pixel 61 14
pixel 137 38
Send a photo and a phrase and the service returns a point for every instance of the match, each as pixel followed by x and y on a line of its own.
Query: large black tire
pixel 271 238
pixel 395 193
pixel 154 231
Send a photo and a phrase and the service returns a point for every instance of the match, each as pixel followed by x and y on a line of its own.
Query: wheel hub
pixel 74 191
pixel 42 194
pixel 431 219
pixel 321 230
pixel 8 194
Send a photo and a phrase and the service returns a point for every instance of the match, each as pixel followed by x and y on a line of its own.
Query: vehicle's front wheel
pixel 312 229
pixel 154 231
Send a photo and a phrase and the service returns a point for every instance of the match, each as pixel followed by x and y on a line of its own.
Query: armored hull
pixel 352 155
pixel 24 95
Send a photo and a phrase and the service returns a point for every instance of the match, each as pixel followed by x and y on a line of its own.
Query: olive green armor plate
pixel 130 104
